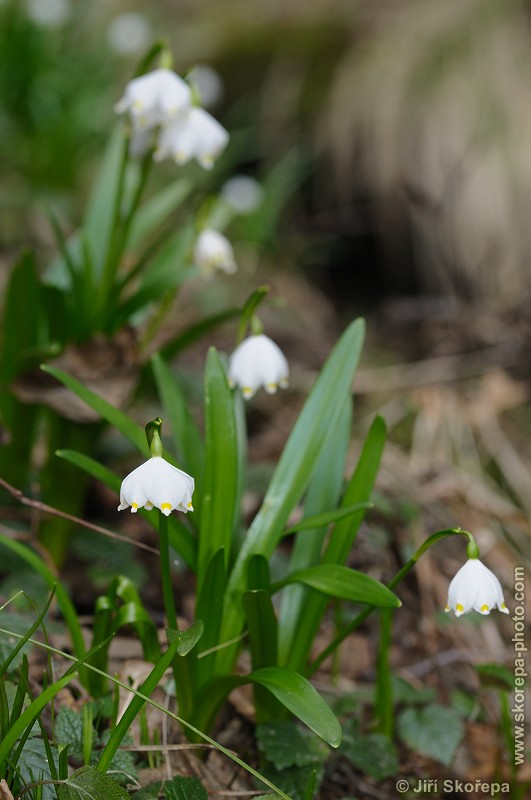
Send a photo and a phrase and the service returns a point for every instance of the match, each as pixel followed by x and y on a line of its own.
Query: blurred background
pixel 392 141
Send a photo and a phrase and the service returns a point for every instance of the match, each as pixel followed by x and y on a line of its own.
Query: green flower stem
pixel 165 573
pixel 398 578
pixel 182 672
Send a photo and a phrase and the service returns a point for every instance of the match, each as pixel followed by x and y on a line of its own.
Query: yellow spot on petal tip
pixel 190 507
pixel 447 608
pixel 165 506
pixel 484 609
pixel 134 505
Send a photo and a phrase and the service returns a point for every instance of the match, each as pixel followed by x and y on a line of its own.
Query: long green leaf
pixel 344 583
pixel 157 209
pixel 210 609
pixel 30 714
pixel 358 490
pixel 221 467
pixel 65 604
pixel 326 517
pixel 300 697
pixel 20 328
pixel 133 709
pixel 196 331
pixel 235 681
pixel 115 417
pixel 295 468
pixel 100 217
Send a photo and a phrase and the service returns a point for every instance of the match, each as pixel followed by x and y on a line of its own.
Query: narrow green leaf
pixel 258 576
pixel 209 608
pixel 157 210
pixel 262 627
pixel 347 584
pixel 30 714
pixel 65 604
pixel 343 536
pixel 221 467
pixel 295 468
pixel 133 432
pixel 88 783
pixel 20 328
pixel 326 517
pixel 22 643
pixel 300 697
pixel 323 492
pixel 133 709
pixel 196 331
pixel 99 217
pixel 358 490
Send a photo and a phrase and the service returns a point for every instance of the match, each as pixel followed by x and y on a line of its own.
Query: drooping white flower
pixel 195 135
pixel 243 193
pixel 208 84
pixel 128 33
pixel 213 251
pixel 157 98
pixel 157 483
pixel 48 13
pixel 256 362
pixel 475 587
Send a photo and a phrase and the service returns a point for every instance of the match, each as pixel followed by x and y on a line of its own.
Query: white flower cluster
pixel 161 102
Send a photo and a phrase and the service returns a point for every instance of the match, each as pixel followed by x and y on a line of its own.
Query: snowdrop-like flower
pixel 213 251
pixel 157 98
pixel 475 587
pixel 196 135
pixel 256 362
pixel 243 193
pixel 128 33
pixel 157 483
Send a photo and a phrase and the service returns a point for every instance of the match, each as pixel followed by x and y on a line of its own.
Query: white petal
pixel 213 251
pixel 157 483
pixel 256 362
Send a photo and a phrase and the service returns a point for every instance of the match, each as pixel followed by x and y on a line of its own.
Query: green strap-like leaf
pixel 300 697
pixel 103 408
pixel 295 468
pixel 221 467
pixel 347 584
pixel 158 209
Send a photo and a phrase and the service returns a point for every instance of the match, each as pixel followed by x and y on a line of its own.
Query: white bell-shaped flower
pixel 157 483
pixel 256 362
pixel 213 251
pixel 157 98
pixel 196 135
pixel 475 587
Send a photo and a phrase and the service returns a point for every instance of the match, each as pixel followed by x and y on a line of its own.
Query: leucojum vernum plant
pixel 191 491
